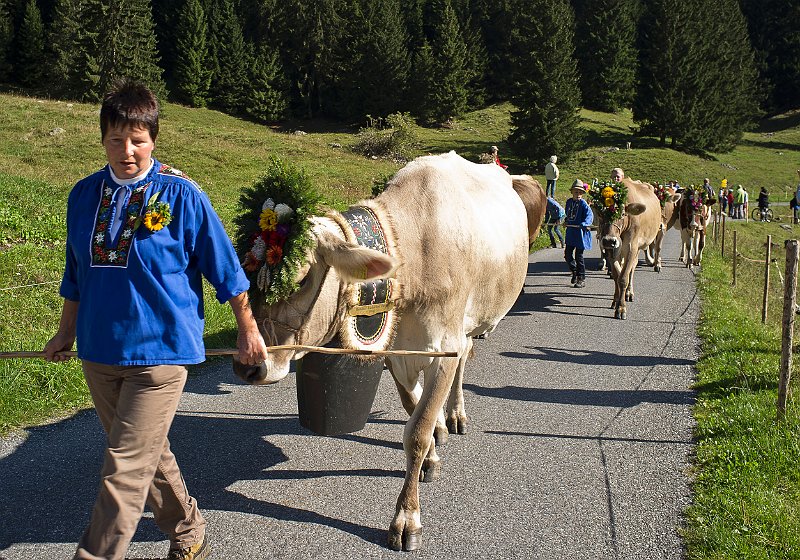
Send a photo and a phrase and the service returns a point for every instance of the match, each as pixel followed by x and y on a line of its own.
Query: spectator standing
pixel 554 217
pixel 739 201
pixel 140 237
pixel 708 190
pixel 496 158
pixel 579 217
pixel 551 174
pixel 730 203
pixel 723 200
pixel 797 200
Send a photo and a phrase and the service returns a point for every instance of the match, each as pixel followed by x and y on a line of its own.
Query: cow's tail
pixel 535 201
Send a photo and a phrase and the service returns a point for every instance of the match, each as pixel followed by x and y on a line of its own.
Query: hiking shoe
pixel 574 278
pixel 580 284
pixel 198 551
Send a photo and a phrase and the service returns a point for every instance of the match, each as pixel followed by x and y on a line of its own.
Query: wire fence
pixel 749 253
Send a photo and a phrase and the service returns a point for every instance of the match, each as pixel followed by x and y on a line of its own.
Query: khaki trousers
pixel 136 406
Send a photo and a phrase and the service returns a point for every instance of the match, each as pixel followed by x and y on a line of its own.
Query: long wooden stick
pixel 234 351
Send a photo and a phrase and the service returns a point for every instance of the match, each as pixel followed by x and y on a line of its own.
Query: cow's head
pixel 611 231
pixel 695 211
pixel 314 313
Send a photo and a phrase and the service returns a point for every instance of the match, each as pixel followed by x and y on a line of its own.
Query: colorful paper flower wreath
pixel 274 230
pixel 662 192
pixel 609 200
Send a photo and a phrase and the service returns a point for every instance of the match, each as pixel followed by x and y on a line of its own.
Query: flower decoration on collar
pixel 274 230
pixel 662 192
pixel 609 200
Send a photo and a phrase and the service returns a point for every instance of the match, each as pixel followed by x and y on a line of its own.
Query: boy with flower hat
pixel 579 217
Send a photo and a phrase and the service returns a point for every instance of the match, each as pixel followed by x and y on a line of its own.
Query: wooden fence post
pixel 766 279
pixel 787 338
pixel 735 253
pixel 722 251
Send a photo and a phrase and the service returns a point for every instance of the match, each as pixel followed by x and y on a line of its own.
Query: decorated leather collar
pixel 371 316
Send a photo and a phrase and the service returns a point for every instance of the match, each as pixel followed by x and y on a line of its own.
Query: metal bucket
pixel 335 392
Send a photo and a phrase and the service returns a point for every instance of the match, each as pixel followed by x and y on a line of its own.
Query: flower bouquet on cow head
pixel 662 192
pixel 608 200
pixel 274 230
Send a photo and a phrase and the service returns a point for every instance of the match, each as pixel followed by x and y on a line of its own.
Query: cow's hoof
pixel 628 297
pixel 657 268
pixel 457 424
pixel 440 435
pixel 430 471
pixel 407 540
pixel 623 315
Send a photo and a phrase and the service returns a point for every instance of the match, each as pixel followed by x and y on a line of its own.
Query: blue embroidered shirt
pixel 141 292
pixel 579 214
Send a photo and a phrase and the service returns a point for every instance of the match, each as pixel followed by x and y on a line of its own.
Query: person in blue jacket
pixel 141 236
pixel 579 217
pixel 553 217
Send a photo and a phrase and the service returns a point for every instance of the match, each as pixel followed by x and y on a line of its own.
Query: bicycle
pixel 762 215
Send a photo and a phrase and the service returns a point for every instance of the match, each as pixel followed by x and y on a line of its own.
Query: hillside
pixel 46 145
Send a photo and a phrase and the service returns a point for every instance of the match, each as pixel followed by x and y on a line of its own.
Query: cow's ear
pixel 354 263
pixel 676 198
pixel 635 208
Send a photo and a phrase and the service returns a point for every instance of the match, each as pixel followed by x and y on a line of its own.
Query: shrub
pixel 391 138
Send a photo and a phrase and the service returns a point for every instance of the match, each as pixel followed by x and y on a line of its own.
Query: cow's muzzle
pixel 260 374
pixel 610 242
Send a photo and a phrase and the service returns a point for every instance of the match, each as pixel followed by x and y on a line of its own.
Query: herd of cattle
pixel 458 235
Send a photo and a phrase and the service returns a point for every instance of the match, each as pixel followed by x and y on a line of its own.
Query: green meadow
pixel 745 474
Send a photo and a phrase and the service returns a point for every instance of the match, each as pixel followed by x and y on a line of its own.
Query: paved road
pixel 578 447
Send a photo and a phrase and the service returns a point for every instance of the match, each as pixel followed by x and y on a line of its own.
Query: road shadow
pixel 50 480
pixel 585 397
pixel 596 358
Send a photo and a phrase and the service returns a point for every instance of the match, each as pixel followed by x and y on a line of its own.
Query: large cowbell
pixel 335 392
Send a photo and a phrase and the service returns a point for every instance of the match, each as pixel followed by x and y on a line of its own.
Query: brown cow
pixel 694 214
pixel 535 201
pixel 624 238
pixel 457 235
pixel 669 219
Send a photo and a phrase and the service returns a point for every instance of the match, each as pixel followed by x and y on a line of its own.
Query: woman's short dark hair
pixel 129 103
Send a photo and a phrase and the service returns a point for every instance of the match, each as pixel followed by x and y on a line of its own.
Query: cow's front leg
pixel 701 243
pixel 409 390
pixel 629 289
pixel 622 287
pixel 405 530
pixel 456 417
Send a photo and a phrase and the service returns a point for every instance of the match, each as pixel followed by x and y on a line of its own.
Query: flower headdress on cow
pixel 695 196
pixel 274 230
pixel 609 199
pixel 663 192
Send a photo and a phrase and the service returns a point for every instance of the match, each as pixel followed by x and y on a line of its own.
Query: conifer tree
pixel 192 77
pixel 449 73
pixel 423 83
pixel 64 46
pixel 127 46
pixel 229 82
pixel 385 64
pixel 6 38
pixel 308 46
pixel 547 91
pixel 607 53
pixel 773 31
pixel 30 61
pixel 700 93
pixel 267 95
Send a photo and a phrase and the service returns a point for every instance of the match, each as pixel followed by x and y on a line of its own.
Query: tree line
pixel 696 73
